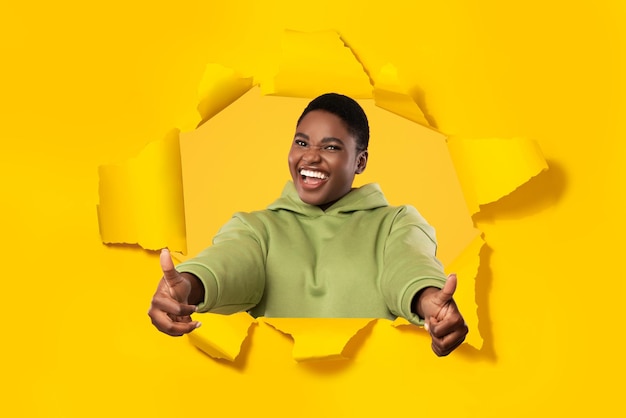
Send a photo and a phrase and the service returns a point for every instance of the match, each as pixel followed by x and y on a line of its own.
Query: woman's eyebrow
pixel 325 140
pixel 331 139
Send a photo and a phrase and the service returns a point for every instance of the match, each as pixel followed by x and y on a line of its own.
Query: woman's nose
pixel 312 154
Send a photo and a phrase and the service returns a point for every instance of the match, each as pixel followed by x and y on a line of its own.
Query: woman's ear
pixel 361 162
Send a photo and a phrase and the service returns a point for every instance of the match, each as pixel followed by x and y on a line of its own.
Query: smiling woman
pixel 323 249
pixel 328 150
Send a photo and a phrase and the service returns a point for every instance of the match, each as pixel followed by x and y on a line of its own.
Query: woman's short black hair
pixel 348 110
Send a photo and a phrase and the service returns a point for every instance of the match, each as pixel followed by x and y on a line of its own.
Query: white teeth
pixel 316 174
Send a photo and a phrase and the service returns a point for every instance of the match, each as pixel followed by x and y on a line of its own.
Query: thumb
pixel 449 288
pixel 167 266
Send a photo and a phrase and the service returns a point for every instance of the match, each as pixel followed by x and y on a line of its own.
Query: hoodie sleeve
pixel 232 270
pixel 410 263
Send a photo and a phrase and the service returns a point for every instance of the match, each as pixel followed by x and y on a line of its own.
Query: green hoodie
pixel 361 258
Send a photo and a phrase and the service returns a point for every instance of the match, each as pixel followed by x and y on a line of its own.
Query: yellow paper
pixel 82 85
pixel 319 338
pixel 141 200
pixel 314 63
pixel 489 169
pixel 204 154
pixel 220 86
pixel 221 336
pixel 390 95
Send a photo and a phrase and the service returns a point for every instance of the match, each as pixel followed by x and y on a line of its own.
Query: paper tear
pixel 390 95
pixel 221 336
pixel 220 86
pixel 466 268
pixel 141 200
pixel 314 63
pixel 319 338
pixel 489 169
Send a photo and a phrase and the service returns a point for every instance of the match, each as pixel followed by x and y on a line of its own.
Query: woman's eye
pixel 332 148
pixel 300 143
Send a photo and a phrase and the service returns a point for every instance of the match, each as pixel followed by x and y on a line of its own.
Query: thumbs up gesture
pixel 443 320
pixel 170 310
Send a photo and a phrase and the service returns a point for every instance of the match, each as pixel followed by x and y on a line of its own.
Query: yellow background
pixel 87 84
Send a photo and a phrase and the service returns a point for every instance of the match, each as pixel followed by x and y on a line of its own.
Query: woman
pixel 323 249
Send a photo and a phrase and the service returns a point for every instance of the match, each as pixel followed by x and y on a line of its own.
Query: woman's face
pixel 323 159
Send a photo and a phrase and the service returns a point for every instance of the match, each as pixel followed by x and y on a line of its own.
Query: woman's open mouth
pixel 313 177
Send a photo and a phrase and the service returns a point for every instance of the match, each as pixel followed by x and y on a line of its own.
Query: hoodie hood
pixel 366 197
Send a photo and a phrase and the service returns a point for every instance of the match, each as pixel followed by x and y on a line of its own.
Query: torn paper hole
pixel 466 268
pixel 219 88
pixel 489 169
pixel 141 200
pixel 486 169
pixel 391 96
pixel 221 336
pixel 319 338
pixel 313 63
